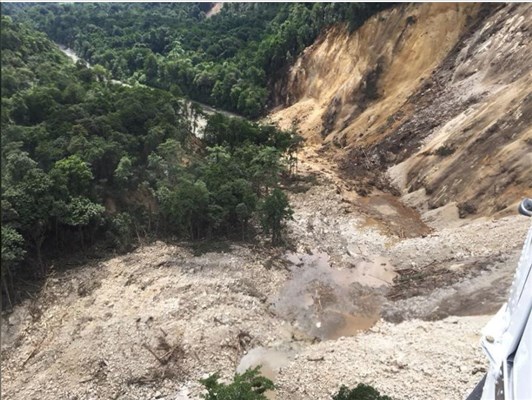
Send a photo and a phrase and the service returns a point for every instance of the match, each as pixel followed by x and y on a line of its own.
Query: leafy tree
pixel 72 176
pixel 274 210
pixel 37 104
pixel 151 67
pixel 186 207
pixel 72 94
pixel 29 189
pixel 265 167
pixel 12 253
pixel 247 386
pixel 124 171
pixel 12 246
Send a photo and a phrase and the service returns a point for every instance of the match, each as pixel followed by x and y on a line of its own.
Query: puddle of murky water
pixel 328 303
pixel 347 324
pixel 323 302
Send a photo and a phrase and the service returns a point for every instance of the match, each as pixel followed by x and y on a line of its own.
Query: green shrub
pixel 361 392
pixel 444 151
pixel 247 386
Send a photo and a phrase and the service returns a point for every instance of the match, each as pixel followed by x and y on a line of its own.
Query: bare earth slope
pixel 439 92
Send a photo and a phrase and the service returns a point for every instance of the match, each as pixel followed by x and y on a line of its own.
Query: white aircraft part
pixel 522 371
pixel 507 339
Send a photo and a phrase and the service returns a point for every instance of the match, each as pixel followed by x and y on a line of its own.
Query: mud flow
pixel 326 303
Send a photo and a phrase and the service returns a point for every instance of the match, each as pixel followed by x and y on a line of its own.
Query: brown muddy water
pixel 324 303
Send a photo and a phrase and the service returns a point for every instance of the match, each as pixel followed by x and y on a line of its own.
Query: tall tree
pixel 275 210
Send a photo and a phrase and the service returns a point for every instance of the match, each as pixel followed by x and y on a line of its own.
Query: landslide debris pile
pixel 95 331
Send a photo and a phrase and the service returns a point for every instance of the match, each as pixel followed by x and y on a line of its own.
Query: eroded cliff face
pixel 430 100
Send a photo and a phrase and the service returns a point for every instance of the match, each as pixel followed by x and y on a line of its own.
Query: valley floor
pixel 149 324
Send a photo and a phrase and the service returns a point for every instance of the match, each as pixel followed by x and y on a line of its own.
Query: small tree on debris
pixel 274 210
pixel 247 386
pixel 361 392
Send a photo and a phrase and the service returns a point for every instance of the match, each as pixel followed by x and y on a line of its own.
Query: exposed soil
pixel 448 115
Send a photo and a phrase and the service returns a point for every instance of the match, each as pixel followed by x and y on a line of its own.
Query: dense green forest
pixel 108 153
pixel 229 60
pixel 88 160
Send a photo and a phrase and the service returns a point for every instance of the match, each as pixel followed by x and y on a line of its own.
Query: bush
pixel 361 392
pixel 444 151
pixel 247 386
pixel 466 208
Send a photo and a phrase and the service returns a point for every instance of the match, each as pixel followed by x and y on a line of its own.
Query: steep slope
pixel 440 91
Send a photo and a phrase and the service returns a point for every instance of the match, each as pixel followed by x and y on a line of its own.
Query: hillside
pixel 151 244
pixel 435 97
pixel 91 162
pixel 228 61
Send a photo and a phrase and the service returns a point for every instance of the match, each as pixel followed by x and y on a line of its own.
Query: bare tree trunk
pixel 6 288
pixel 157 219
pixel 56 233
pixel 91 238
pixel 81 238
pixel 10 275
pixel 138 235
pixel 39 259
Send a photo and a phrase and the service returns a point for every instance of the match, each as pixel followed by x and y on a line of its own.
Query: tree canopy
pixel 229 60
pixel 106 150
pixel 86 160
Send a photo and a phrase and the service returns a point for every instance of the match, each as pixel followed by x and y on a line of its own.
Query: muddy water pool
pixel 325 302
pixel 320 302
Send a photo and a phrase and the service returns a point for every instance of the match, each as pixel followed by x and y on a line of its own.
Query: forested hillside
pixel 107 153
pixel 229 60
pixel 88 160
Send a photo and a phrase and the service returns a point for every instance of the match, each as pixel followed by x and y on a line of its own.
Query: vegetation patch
pixel 444 151
pixel 361 392
pixel 247 386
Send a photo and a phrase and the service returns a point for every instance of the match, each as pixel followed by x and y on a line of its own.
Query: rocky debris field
pixel 437 360
pixel 151 323
pixel 138 325
pixel 463 268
